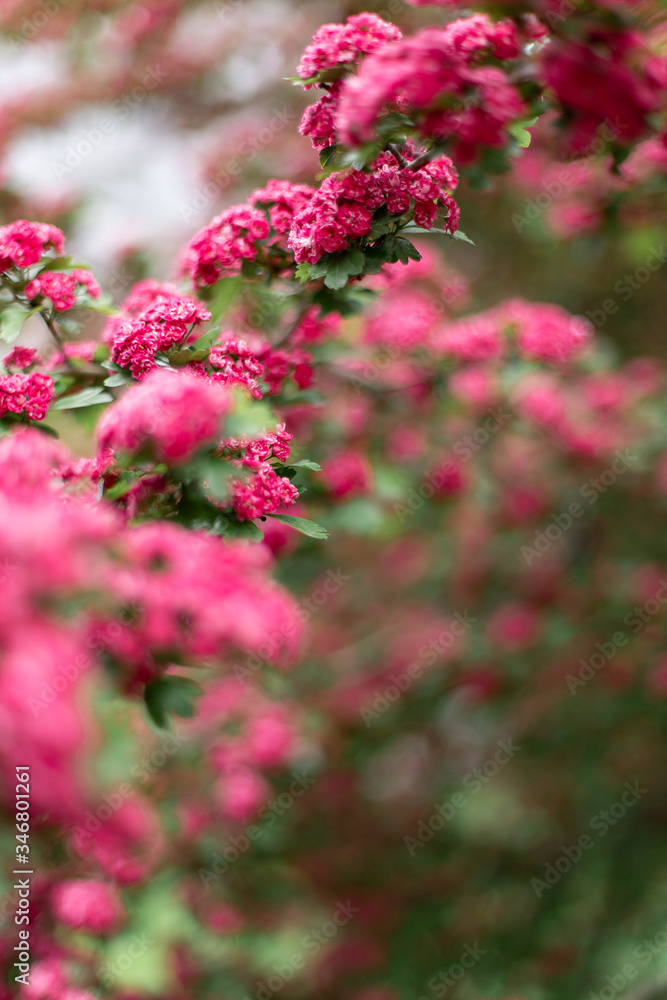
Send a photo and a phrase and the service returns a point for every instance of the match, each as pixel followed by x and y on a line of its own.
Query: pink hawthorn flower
pixel 158 327
pixel 174 414
pixel 87 905
pixel 546 332
pixel 26 394
pixel 21 357
pixel 340 44
pixel 62 289
pixel 24 243
pixel 220 248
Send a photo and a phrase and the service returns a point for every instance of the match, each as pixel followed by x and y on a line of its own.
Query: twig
pixel 398 156
pixel 59 341
pixel 422 159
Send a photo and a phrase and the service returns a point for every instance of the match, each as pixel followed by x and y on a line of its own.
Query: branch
pixel 422 159
pixel 398 156
pixel 58 339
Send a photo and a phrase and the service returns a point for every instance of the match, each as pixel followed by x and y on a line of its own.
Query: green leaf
pixel 106 308
pixel 45 429
pixel 87 397
pixel 405 250
pixel 522 136
pixel 171 695
pixel 320 267
pixel 342 267
pixel 328 154
pixel 11 320
pixel 305 463
pixel 303 272
pixel 123 486
pixel 216 474
pixel 302 524
pixel 112 366
pixel 223 295
pixel 121 378
pixel 243 531
pixel 460 235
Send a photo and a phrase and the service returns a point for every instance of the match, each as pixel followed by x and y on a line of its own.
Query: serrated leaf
pixel 111 366
pixel 303 272
pixel 521 135
pixel 171 695
pixel 405 250
pixel 87 397
pixel 11 320
pixel 320 267
pixel 302 524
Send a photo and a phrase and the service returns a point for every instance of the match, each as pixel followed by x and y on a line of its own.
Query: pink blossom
pixel 62 288
pixel 347 473
pixel 87 905
pixel 23 243
pixel 172 414
pixel 26 394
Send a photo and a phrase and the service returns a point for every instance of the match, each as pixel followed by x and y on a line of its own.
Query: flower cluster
pixel 148 596
pixel 342 210
pixel 221 247
pixel 541 332
pixel 26 394
pixel 263 494
pixel 24 243
pixel 337 45
pixel 236 365
pixel 607 75
pixel 438 79
pixel 167 322
pixel 62 289
pixel 170 415
pixel 283 200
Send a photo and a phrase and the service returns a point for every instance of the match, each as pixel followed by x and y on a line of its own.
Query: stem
pixel 422 159
pixel 398 156
pixel 58 339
